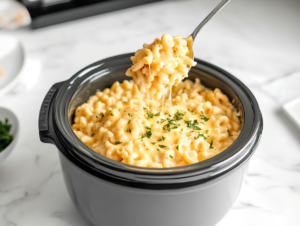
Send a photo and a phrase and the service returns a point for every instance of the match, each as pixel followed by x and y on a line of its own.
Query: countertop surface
pixel 257 41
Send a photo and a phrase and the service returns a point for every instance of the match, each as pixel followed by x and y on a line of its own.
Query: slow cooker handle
pixel 45 117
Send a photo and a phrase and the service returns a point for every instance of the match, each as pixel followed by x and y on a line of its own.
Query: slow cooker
pixel 110 193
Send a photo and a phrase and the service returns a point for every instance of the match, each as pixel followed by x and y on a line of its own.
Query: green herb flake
pixel 162 146
pixel 96 116
pixel 93 134
pixel 211 144
pixel 144 108
pixel 118 142
pixel 229 134
pixel 163 137
pixel 5 137
pixel 129 121
pixel 149 115
pixel 177 147
pixel 143 137
pixel 101 114
pixel 171 156
pixel 148 134
pixel 148 128
pixel 207 131
pixel 200 135
pixel 128 130
pixel 153 143
pixel 129 115
pixel 158 150
pixel 112 114
pixel 159 140
pixel 157 114
pixel 157 122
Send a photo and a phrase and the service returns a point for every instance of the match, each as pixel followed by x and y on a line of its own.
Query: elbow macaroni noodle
pixel 162 64
pixel 195 125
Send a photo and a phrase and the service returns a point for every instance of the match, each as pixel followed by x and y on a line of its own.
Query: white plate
pixel 12 57
pixel 13 120
pixel 292 110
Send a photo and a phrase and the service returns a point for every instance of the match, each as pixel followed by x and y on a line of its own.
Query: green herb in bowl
pixel 5 137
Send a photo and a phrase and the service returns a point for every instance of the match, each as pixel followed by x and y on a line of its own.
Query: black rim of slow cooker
pixel 128 175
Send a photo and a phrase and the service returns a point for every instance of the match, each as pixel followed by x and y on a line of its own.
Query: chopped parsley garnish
pixel 177 147
pixel 128 130
pixel 203 117
pixel 101 114
pixel 158 150
pixel 118 142
pixel 93 134
pixel 171 156
pixel 211 144
pixel 162 146
pixel 183 89
pixel 148 133
pixel 159 140
pixel 157 114
pixel 149 115
pixel 178 115
pixel 112 114
pixel 96 116
pixel 229 134
pixel 200 135
pixel 163 137
pixel 167 127
pixel 157 122
pixel 192 125
pixel 129 121
pixel 5 137
pixel 153 143
pixel 144 108
pixel 162 120
pixel 129 115
pixel 199 92
pixel 207 131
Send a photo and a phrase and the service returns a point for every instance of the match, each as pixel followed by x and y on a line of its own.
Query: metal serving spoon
pixel 209 16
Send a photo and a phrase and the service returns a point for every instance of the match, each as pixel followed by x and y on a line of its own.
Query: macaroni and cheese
pixel 200 124
pixel 162 64
pixel 195 124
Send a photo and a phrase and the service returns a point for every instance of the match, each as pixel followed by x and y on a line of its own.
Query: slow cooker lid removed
pixel 102 74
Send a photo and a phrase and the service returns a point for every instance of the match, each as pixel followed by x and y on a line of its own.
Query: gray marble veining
pixel 257 41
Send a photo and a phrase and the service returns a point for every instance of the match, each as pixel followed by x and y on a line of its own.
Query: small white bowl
pixel 13 120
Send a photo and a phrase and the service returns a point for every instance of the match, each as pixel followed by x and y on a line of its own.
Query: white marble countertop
pixel 257 41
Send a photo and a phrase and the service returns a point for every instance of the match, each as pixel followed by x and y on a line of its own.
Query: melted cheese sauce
pixel 198 125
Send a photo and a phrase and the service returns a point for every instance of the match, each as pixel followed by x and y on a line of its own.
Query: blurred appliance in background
pixel 49 12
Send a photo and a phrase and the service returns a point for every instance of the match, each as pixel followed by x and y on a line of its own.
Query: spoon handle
pixel 209 16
